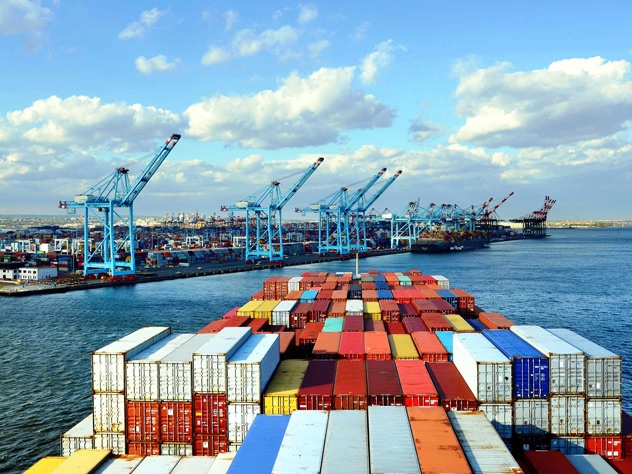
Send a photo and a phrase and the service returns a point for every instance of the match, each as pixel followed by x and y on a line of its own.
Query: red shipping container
pixel 339 296
pixel 231 313
pixel 210 445
pixel 351 345
pixel 337 309
pixel 466 302
pixel 326 346
pixel 626 434
pixel 415 272
pixel 269 288
pixel 299 316
pixel 210 413
pixel 478 310
pixel 376 345
pixel 436 322
pixel 548 462
pixel 452 389
pixel 330 284
pixel 353 324
pixel 143 449
pixel 213 327
pixel 429 347
pixel 281 288
pixel 293 296
pixel 369 296
pixel 443 307
pixel 258 324
pixel 258 296
pixel 317 388
pixel 318 311
pixel 414 324
pixel 407 310
pixel 308 337
pixel 287 344
pixel 176 422
pixel 417 386
pixel 367 286
pixel 424 306
pixel 324 295
pixel 390 311
pixel 374 326
pixel 394 328
pixel 428 280
pixel 382 383
pixel 401 296
pixel 236 321
pixel 621 466
pixel 143 421
pixel 610 447
pixel 495 320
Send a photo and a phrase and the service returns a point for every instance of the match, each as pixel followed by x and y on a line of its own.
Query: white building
pixel 9 273
pixel 37 273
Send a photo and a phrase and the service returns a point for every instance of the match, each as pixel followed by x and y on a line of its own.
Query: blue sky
pixel 470 99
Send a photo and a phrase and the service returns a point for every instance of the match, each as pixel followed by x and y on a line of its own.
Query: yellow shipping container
pixel 458 323
pixel 402 346
pixel 280 396
pixel 84 461
pixel 265 310
pixel 45 465
pixel 372 310
pixel 249 308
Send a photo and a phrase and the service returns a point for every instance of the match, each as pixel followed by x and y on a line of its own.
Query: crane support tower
pixel 264 231
pixel 534 224
pixel 105 201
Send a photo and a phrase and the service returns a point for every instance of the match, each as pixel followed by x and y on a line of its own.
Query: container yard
pixel 370 373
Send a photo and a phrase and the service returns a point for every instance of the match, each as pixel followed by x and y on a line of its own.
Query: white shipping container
pixel 391 444
pixel 568 444
pixel 442 281
pixel 590 464
pixel 603 416
pixel 194 465
pixel 567 415
pixel 119 465
pixel 157 465
pixel 141 371
pixel 240 417
pixel 484 449
pixel 234 447
pixel 294 285
pixel 251 367
pixel 281 313
pixel 79 436
pixel 603 367
pixel 302 446
pixel 175 373
pixel 347 443
pixel 176 449
pixel 109 412
pixel 531 417
pixel 354 308
pixel 108 363
pixel 209 362
pixel 222 463
pixel 500 415
pixel 566 362
pixel 113 441
pixel 484 368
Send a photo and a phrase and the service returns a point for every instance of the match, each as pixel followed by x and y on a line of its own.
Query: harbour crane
pixel 534 224
pixel 403 224
pixel 104 201
pixel 264 207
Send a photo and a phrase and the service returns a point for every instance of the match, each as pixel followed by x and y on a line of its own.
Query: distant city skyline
pixel 470 99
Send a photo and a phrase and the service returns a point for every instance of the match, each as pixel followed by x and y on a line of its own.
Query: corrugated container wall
pixel 531 417
pixel 500 415
pixel 251 367
pixel 78 437
pixel 347 443
pixel 391 444
pixel 305 434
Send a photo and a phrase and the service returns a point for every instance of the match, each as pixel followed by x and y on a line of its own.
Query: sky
pixel 471 100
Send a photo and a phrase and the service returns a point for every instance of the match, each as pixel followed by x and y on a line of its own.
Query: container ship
pixel 353 373
pixel 449 241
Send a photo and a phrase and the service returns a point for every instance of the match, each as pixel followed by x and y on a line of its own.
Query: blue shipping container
pixel 449 297
pixel 384 294
pixel 381 285
pixel 308 296
pixel 379 278
pixel 261 445
pixel 445 337
pixel 476 324
pixel 530 366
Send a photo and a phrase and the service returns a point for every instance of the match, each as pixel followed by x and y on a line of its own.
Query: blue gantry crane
pixel 265 208
pixel 104 201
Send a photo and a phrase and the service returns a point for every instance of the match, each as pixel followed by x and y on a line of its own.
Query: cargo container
pixel 530 366
pixel 257 324
pixel 477 325
pixel 374 326
pixel 251 367
pixel 293 296
pixel 109 412
pixel 484 368
pixel 531 417
pixel 484 449
pixel 383 386
pixel 603 416
pixel 210 413
pixel 143 421
pixel 240 417
pixel 369 294
pixel 458 323
pixel 308 337
pixel 391 444
pixel 333 325
pixel 327 345
pixel 414 324
pixel 394 328
pixel 108 363
pixel 294 284
pixel 402 346
pixel 157 465
pixel 568 415
pixel 609 447
pixel 603 367
pixel 280 398
pixel 351 345
pixel 316 390
pixel 308 296
pixel 443 306
pixel 390 310
pixel 566 362
pixel 466 302
pixel 305 434
pixel 548 462
pixel 350 390
pixel 287 344
pixel 339 296
pixel 204 445
pixel 407 310
pixel 260 447
pixel 108 440
pixel 46 465
pixel 449 297
pixel 213 327
pixel 376 345
pixel 590 464
pixel 264 310
pixel 353 324
pixel 372 310
pixel 194 465
pixel 318 311
pixel 568 444
pixel 500 415
pixel 423 305
pixel 236 321
pixel 281 312
pixel 355 292
pixel 416 384
pixel 79 436
pixel 384 294
pixel 440 280
pixel 123 465
pixel 346 448
pixel 401 296
pixel 453 392
pixel 299 316
pixel 438 449
pixel 495 320
pixel 210 359
pixel 429 347
pixel 249 308
pixel 141 371
pixel 337 310
pixel 176 422
pixel 435 322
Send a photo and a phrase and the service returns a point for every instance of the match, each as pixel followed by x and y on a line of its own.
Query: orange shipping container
pixel 337 310
pixel 326 346
pixel 376 345
pixel 429 347
pixel 495 321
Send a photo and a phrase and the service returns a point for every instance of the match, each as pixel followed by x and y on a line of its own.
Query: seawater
pixel 576 278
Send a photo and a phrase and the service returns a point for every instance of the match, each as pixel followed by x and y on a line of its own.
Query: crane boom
pixel 284 200
pixel 353 200
pixel 374 198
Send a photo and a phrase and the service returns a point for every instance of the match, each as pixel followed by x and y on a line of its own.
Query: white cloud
pixel 360 32
pixel 26 17
pixel 317 47
pixel 215 55
pixel 422 131
pixel 301 112
pixel 307 14
pixel 230 17
pixel 137 29
pixel 377 60
pixel 156 64
pixel 572 100
pixel 247 42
